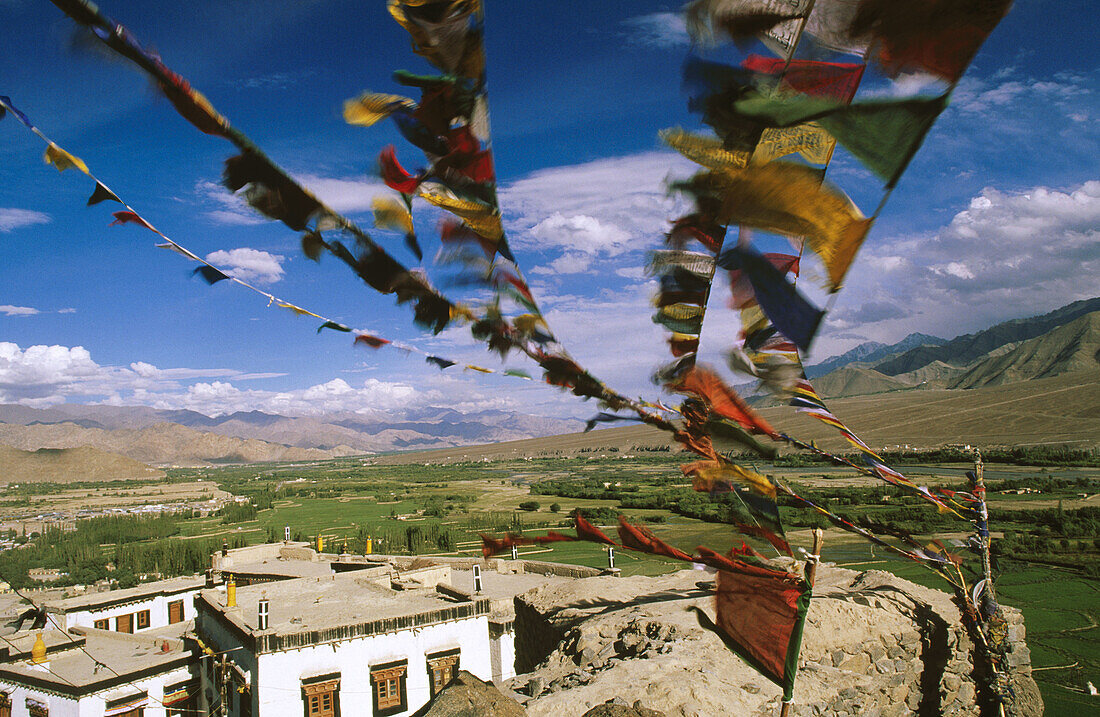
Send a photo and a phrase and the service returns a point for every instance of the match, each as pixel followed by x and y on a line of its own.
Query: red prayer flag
pixel 394 175
pixel 375 342
pixel 723 400
pixel 828 80
pixel 763 611
pixel 639 538
pixel 128 218
pixel 589 532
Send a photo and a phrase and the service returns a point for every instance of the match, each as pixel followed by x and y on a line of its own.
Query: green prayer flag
pixel 883 134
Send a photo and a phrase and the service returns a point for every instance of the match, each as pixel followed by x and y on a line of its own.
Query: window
pixel 322 696
pixel 37 709
pixel 442 668
pixel 124 623
pixel 104 624
pixel 181 699
pixel 175 612
pixel 142 619
pixel 388 685
pixel 136 712
pixel 5 704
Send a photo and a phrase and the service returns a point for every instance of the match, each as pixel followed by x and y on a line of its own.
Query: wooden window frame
pixel 143 619
pixel 102 624
pixel 389 695
pixel 175 604
pixel 443 664
pixel 5 704
pixel 37 709
pixel 314 692
pixel 129 618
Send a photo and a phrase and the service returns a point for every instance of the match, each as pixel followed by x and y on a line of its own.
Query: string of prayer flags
pixel 788 198
pixel 937 36
pixel 794 316
pixel 270 190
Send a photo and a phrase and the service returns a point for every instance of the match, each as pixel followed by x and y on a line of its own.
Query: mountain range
pixel 1062 343
pixel 188 438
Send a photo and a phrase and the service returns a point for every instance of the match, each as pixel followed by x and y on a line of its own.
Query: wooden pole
pixel 811 576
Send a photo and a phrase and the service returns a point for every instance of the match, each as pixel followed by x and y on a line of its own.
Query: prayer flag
pixel 638 537
pixel 789 198
pixel 721 399
pixel 102 194
pixel 371 107
pixel 209 274
pixel 940 36
pixel 128 218
pixel 63 160
pixel 825 80
pixel 763 611
pixel 375 342
pixel 794 316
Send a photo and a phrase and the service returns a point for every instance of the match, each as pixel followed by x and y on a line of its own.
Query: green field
pixel 441 509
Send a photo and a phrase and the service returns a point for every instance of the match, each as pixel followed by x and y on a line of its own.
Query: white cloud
pixel 608 206
pixel 9 310
pixel 344 195
pixel 247 264
pixel 565 264
pixel 1007 255
pixel 659 29
pixel 580 232
pixel 233 210
pixel 11 218
pixel 46 375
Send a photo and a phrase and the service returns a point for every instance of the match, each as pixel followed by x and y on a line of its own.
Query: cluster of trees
pixel 121 548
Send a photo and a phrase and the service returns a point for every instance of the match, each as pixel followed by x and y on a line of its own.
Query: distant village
pixel 270 629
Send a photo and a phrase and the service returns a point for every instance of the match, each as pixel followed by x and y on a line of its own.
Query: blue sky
pixel 997 218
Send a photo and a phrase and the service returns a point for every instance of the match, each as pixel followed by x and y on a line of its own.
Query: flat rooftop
pixel 308 609
pixel 73 671
pixel 144 591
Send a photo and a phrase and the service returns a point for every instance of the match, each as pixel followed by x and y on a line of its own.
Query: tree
pixel 530 505
pixel 555 507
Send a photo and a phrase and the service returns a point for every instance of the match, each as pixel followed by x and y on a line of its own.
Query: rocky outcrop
pixel 467 696
pixel 874 645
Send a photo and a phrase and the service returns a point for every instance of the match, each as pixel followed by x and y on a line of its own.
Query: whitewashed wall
pixel 157 607
pixel 280 673
pixel 95 705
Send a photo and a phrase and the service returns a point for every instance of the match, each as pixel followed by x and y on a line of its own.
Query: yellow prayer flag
pixel 481 369
pixel 371 107
pixel 298 310
pixel 389 213
pixel 63 160
pixel 707 151
pixel 810 140
pixel 482 218
pixel 788 198
pixel 713 471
